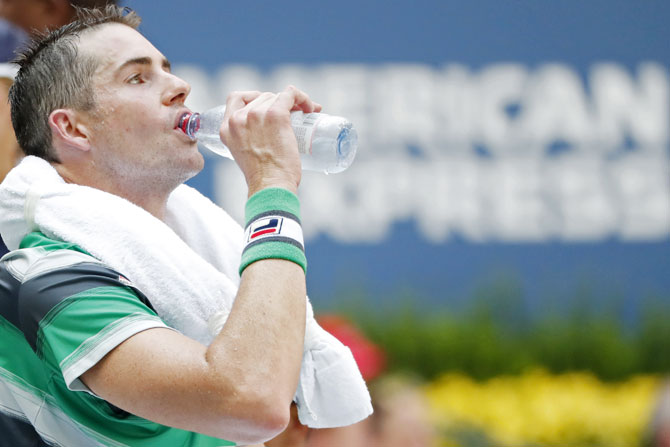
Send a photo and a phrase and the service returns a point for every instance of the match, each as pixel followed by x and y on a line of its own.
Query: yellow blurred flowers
pixel 538 408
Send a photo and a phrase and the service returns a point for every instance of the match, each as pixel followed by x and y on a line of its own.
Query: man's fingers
pixel 238 106
pixel 256 109
pixel 290 98
pixel 293 99
pixel 237 100
pixel 247 107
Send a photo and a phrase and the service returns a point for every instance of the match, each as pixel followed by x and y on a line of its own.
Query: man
pixel 112 125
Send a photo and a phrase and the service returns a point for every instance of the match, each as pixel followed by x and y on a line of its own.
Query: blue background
pixel 474 33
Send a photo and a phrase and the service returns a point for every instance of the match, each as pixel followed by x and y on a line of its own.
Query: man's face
pixel 138 102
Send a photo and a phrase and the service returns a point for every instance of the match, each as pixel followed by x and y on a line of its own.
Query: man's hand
pixel 257 129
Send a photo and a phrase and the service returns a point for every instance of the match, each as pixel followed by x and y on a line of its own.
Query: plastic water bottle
pixel 326 143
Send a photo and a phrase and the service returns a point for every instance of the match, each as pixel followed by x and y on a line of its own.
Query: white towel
pixel 187 267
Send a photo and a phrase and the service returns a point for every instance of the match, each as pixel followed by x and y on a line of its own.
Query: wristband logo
pixel 263 227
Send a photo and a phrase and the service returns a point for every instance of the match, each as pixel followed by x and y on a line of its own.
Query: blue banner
pixel 499 141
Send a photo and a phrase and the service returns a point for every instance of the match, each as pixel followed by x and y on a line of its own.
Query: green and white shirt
pixel 61 311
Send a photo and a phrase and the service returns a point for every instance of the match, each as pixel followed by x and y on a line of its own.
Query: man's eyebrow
pixel 144 60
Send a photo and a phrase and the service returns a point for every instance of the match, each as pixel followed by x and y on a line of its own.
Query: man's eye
pixel 135 79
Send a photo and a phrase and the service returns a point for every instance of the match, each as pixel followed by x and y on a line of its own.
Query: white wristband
pixel 274 226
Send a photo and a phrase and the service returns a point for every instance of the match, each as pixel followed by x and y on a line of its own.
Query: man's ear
pixel 68 131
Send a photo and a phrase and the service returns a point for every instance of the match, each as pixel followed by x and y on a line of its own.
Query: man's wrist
pixel 272 228
pixel 271 183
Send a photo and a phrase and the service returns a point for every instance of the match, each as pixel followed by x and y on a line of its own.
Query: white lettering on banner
pixel 505 153
pixel 623 106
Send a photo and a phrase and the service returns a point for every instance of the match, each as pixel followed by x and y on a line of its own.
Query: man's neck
pixel 152 198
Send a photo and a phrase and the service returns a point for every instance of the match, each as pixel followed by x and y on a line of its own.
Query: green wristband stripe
pixel 286 240
pixel 273 250
pixel 270 203
pixel 271 199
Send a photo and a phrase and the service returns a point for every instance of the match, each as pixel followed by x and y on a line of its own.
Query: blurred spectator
pixel 38 15
pixel 401 412
pixel 401 417
pixel 10 150
pixel 11 37
pixel 658 434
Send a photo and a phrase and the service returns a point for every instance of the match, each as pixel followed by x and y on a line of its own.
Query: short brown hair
pixel 53 74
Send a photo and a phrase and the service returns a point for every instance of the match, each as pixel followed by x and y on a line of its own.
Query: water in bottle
pixel 326 143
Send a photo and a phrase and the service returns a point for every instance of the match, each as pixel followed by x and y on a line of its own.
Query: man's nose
pixel 177 90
